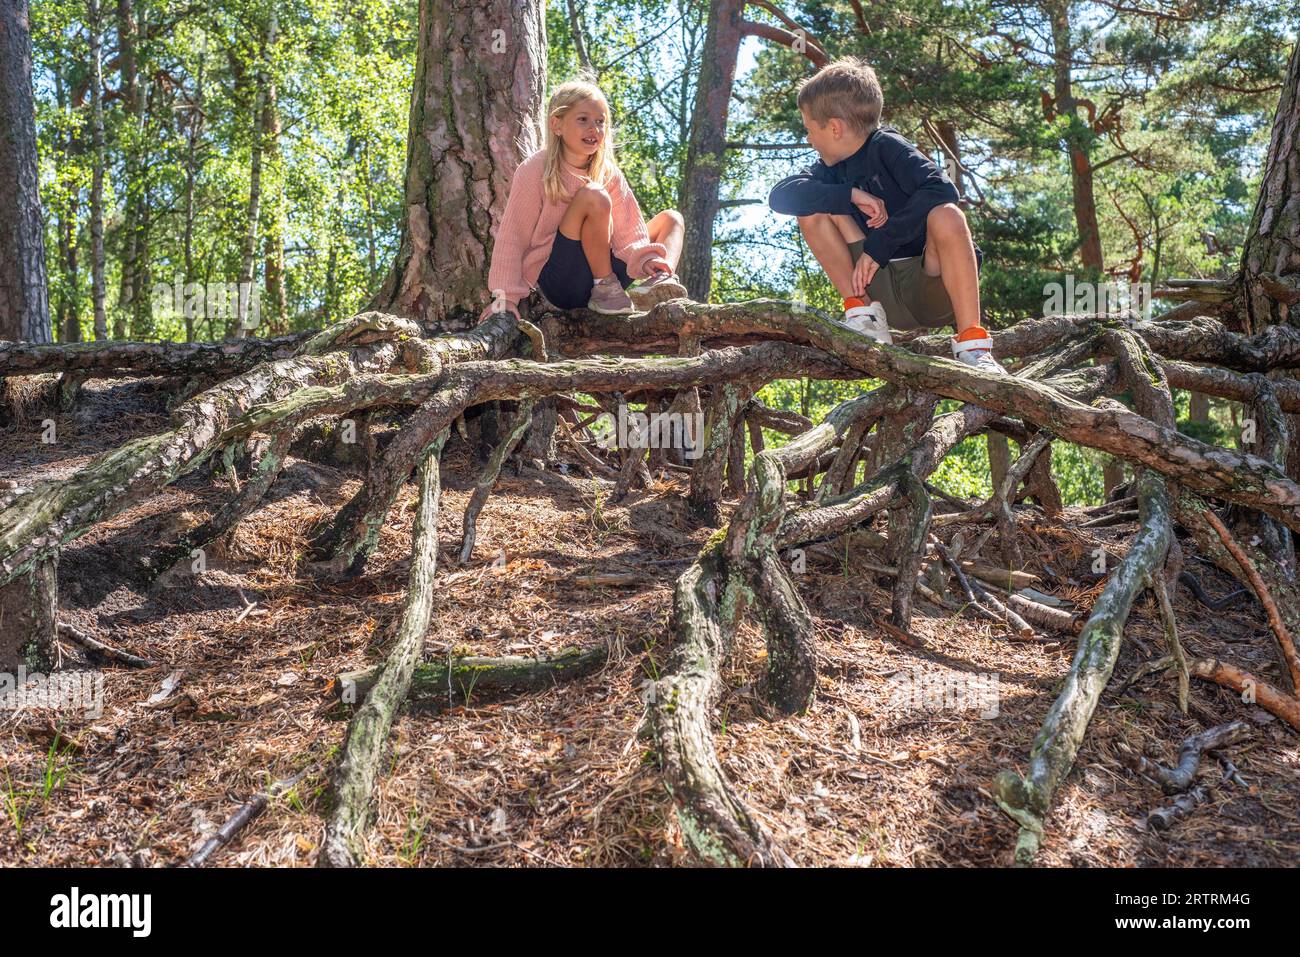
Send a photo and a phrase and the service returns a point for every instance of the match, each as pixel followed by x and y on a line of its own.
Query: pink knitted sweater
pixel 523 243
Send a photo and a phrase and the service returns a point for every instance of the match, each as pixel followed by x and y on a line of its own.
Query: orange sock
pixel 974 332
pixel 852 302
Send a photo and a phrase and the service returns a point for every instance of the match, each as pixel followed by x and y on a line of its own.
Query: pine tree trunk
pixel 276 307
pixel 193 131
pixel 1081 172
pixel 97 172
pixel 24 302
pixel 706 151
pixel 474 118
pixel 129 88
pixel 245 321
pixel 1270 268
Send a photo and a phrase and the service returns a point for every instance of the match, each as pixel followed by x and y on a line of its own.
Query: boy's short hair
pixel 846 90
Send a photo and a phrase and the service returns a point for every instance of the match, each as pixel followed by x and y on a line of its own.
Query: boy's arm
pixel 811 191
pixel 917 174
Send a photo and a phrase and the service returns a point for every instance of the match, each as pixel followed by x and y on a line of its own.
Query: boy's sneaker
pixel 608 297
pixel 975 348
pixel 660 287
pixel 869 321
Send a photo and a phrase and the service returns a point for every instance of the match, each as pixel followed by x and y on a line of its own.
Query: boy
pixel 882 218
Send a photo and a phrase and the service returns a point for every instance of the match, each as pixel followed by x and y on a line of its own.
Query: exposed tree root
pixel 716 825
pixel 1280 630
pixel 730 351
pixel 1027 798
pixel 354 779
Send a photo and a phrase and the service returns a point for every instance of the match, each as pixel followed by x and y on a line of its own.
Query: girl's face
pixel 581 130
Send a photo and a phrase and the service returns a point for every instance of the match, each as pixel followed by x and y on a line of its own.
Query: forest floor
pixel 244 695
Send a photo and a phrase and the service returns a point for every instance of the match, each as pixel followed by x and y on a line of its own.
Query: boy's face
pixel 827 139
pixel 830 140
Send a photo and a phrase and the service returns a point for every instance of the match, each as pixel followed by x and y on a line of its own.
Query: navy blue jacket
pixel 887 166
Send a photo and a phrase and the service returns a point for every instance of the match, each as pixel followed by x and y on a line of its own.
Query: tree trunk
pixel 474 118
pixel 193 130
pixel 276 306
pixel 245 321
pixel 67 319
pixel 1270 267
pixel 28 618
pixel 97 173
pixel 1078 137
pixel 706 151
pixel 24 303
pixel 129 88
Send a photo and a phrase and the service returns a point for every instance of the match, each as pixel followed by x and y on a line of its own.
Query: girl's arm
pixel 506 284
pixel 631 240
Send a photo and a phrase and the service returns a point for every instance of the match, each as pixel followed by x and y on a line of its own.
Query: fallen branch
pixel 246 814
pixel 1180 776
pixel 436 683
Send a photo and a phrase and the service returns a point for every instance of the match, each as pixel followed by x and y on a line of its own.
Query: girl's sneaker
pixel 660 287
pixel 608 297
pixel 870 321
pixel 976 351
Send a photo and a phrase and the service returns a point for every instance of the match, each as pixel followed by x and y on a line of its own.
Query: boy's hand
pixel 872 207
pixel 863 273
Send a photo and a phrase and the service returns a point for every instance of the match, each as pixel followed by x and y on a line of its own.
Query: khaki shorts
pixel 912 298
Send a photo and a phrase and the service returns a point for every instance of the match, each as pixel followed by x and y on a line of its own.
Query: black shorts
pixel 566 279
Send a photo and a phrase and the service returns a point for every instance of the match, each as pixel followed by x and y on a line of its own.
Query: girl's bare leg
pixel 669 229
pixel 587 220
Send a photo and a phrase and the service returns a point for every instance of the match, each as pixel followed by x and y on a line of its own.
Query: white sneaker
pixel 978 354
pixel 869 321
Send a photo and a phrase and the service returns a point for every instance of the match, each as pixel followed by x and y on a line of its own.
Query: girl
pixel 572 227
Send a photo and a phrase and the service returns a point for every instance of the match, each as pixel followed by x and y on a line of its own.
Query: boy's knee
pixel 676 218
pixel 815 221
pixel 946 219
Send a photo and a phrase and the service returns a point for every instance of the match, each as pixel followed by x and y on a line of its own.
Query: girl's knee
pixel 674 217
pixel 593 197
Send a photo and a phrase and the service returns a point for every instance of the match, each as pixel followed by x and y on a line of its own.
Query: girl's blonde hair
pixel 601 167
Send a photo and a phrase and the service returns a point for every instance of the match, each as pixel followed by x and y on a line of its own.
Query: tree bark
pixel 1270 267
pixel 24 302
pixel 97 172
pixel 480 74
pixel 1078 140
pixel 706 150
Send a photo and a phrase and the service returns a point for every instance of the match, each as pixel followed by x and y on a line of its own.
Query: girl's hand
pixel 500 304
pixel 657 265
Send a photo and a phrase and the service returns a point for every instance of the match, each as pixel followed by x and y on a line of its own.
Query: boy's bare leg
pixel 950 254
pixel 828 237
pixel 668 229
pixel 587 220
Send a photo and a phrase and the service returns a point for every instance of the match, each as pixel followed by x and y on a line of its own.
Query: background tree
pixel 24 296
